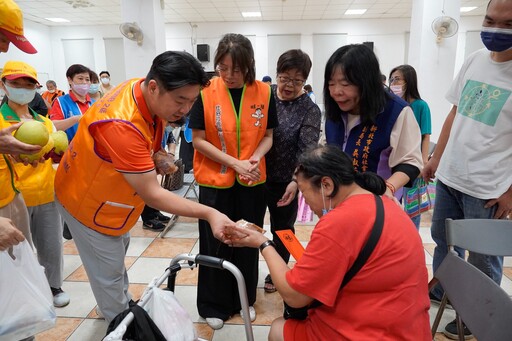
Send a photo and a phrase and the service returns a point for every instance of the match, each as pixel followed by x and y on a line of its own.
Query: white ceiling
pixel 107 12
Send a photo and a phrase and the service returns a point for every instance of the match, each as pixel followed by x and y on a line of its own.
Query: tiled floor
pixel 148 257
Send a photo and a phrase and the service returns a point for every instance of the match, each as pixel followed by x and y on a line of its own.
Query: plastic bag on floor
pixel 26 300
pixel 171 318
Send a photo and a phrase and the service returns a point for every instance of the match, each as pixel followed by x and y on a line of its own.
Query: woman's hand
pixel 240 236
pixel 220 224
pixel 248 170
pixel 289 194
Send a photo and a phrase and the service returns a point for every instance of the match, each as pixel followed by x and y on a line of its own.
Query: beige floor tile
pixel 64 327
pixel 169 247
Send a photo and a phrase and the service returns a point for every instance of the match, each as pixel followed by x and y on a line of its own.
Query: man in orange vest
pixel 110 170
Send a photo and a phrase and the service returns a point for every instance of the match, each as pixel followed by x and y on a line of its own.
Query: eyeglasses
pixel 225 69
pixel 395 79
pixel 286 80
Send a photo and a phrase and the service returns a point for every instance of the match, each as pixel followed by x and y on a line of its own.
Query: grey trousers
pixel 46 229
pixel 17 212
pixel 103 259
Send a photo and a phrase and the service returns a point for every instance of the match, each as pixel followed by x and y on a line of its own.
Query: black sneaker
pixel 162 218
pixel 66 233
pixel 450 331
pixel 153 225
pixel 435 300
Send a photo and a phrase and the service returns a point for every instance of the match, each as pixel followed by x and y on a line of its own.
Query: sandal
pixel 269 285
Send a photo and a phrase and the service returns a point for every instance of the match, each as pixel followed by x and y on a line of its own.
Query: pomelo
pixel 32 132
pixel 60 140
pixel 46 149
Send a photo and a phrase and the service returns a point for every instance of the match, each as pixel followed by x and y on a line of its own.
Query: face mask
pixel 39 90
pixel 51 91
pixel 496 39
pixel 81 89
pixel 105 80
pixel 397 90
pixel 94 88
pixel 325 210
pixel 19 95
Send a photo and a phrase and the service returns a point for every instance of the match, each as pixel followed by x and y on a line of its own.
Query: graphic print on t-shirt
pixel 482 102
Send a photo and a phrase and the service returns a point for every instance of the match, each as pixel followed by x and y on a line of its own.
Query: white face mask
pixel 19 95
pixel 105 80
pixel 51 91
pixel 397 90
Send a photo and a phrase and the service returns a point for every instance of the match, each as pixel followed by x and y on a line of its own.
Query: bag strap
pixel 368 248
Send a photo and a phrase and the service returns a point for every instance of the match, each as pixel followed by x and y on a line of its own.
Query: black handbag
pixel 364 254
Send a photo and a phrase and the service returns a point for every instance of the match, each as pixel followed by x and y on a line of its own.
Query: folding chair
pixel 483 306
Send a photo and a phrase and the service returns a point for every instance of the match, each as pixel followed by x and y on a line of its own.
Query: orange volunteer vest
pixel 88 186
pixel 237 135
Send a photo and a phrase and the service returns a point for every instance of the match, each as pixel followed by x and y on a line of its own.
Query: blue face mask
pixel 94 88
pixel 496 39
pixel 325 210
pixel 19 95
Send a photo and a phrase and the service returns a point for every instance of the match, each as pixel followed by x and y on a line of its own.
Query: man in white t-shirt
pixel 473 157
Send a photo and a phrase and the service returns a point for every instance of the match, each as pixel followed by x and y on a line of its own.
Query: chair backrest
pixel 484 307
pixel 487 236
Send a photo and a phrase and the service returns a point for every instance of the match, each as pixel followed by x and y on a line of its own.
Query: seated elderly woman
pixel 388 298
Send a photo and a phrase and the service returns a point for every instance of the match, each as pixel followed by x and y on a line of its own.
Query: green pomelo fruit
pixel 39 154
pixel 60 140
pixel 32 132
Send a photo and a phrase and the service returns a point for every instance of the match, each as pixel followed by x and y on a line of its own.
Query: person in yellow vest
pixel 232 131
pixel 108 172
pixel 13 212
pixel 35 183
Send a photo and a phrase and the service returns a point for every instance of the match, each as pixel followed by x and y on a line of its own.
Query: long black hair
pixel 411 80
pixel 332 162
pixel 175 69
pixel 361 68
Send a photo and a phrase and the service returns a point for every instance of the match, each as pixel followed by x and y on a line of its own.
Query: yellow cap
pixel 14 69
pixel 11 25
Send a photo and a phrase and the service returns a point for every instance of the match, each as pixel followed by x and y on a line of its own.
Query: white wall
pixel 389 37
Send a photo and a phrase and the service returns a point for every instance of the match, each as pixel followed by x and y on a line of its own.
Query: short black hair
pixel 102 72
pixel 75 69
pixel 294 59
pixel 240 49
pixel 330 161
pixel 175 69
pixel 361 68
pixel 94 77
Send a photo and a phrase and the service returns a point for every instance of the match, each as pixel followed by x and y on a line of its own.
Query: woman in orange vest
pixel 232 131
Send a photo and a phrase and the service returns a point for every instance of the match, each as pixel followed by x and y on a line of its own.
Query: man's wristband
pixel 267 243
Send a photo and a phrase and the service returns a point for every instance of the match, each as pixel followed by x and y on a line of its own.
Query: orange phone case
pixel 291 243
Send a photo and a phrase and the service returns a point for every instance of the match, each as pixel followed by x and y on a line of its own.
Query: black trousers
pixel 148 213
pixel 186 153
pixel 281 218
pixel 217 290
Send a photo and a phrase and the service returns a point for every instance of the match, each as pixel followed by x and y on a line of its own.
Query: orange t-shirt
pixel 386 300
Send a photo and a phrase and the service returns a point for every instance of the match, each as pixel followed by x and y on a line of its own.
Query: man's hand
pixel 430 169
pixel 10 145
pixel 9 235
pixel 218 223
pixel 504 205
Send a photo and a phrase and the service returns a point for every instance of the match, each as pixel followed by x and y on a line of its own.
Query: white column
pixel 434 61
pixel 148 14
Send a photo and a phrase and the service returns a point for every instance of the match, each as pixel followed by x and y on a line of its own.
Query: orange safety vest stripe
pixel 236 135
pixel 88 186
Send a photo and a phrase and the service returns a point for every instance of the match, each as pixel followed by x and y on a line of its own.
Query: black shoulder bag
pixel 366 251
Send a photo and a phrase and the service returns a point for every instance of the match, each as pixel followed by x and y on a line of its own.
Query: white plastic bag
pixel 171 318
pixel 25 297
